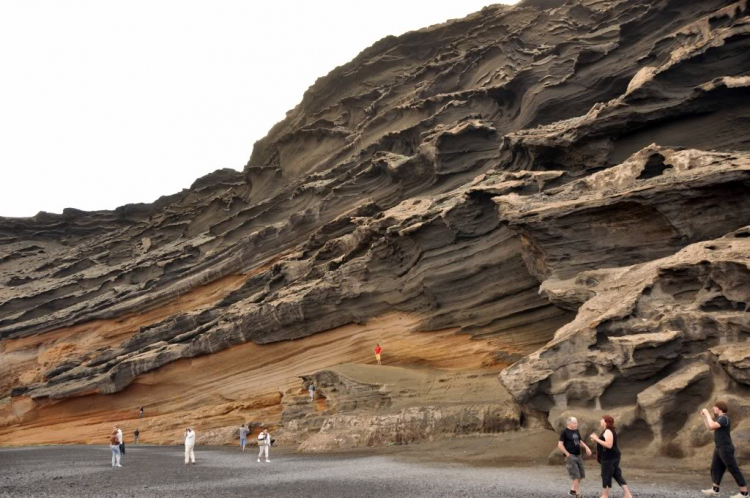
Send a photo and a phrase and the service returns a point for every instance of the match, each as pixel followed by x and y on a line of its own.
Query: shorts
pixel 377 357
pixel 243 441
pixel 574 464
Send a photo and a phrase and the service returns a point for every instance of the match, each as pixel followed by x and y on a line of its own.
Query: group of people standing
pixel 608 453
pixel 264 441
pixel 117 444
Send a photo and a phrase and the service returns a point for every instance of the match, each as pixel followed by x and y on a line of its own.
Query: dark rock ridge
pixel 569 171
pixel 360 405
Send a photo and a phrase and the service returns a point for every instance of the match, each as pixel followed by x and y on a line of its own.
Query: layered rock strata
pixel 573 172
pixel 358 405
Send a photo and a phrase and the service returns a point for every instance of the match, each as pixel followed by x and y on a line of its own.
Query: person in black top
pixel 570 445
pixel 608 454
pixel 723 458
pixel 136 434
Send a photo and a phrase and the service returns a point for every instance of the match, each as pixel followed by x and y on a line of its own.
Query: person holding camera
pixel 264 442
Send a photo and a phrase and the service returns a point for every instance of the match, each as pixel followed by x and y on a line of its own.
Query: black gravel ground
pixel 159 471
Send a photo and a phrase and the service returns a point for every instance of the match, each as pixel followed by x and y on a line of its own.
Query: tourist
pixel 311 390
pixel 243 436
pixel 378 350
pixel 189 445
pixel 264 442
pixel 723 458
pixel 121 440
pixel 114 446
pixel 141 412
pixel 136 434
pixel 608 454
pixel 570 445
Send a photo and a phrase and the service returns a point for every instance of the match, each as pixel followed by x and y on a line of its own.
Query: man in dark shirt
pixel 723 458
pixel 570 445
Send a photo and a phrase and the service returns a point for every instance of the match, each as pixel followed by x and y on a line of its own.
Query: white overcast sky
pixel 104 103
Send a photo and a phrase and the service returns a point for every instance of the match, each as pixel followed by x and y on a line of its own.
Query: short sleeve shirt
pixel 721 435
pixel 571 440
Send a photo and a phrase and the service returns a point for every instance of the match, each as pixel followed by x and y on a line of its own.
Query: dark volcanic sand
pixel 85 471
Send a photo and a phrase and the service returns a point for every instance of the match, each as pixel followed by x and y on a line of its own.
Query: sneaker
pixel 118 465
pixel 268 461
pixel 710 492
pixel 258 460
pixel 738 495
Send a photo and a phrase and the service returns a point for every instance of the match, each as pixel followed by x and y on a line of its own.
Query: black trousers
pixel 724 460
pixel 611 469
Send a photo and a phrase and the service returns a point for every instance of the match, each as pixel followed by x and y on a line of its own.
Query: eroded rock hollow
pixel 558 192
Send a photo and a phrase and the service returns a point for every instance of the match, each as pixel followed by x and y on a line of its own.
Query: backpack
pixel 261 438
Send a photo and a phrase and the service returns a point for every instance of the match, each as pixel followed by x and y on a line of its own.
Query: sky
pixel 105 103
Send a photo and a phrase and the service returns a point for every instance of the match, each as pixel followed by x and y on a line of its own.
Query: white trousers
pixel 189 454
pixel 263 447
pixel 115 454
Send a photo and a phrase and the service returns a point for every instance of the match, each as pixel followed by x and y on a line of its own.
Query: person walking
pixel 608 454
pixel 121 440
pixel 570 445
pixel 189 446
pixel 311 390
pixel 114 446
pixel 264 442
pixel 135 435
pixel 378 350
pixel 243 436
pixel 141 412
pixel 723 458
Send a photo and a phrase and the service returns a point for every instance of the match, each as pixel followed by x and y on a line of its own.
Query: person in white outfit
pixel 189 445
pixel 264 442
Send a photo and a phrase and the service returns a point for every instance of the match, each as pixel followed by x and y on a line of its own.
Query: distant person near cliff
pixel 244 431
pixel 114 446
pixel 723 458
pixel 189 446
pixel 264 442
pixel 311 390
pixel 121 440
pixel 608 454
pixel 378 350
pixel 141 412
pixel 570 445
pixel 135 436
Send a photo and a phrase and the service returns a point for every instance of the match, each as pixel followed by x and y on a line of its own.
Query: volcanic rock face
pixel 575 172
pixel 359 405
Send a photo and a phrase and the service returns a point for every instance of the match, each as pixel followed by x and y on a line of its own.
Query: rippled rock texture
pixel 573 172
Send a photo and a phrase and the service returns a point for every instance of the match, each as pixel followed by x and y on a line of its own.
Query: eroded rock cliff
pixel 571 176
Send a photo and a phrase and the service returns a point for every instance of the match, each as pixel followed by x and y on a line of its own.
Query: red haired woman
pixel 608 455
